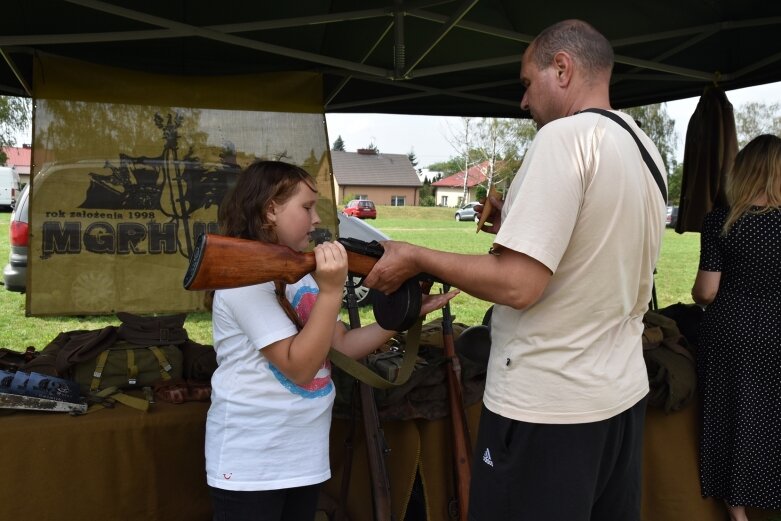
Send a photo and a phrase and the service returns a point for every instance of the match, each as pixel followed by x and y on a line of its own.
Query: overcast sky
pixel 428 135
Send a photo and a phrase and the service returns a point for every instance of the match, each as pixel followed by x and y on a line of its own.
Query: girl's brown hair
pixel 244 212
pixel 755 173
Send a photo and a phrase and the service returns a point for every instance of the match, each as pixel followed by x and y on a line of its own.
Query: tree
pixel 427 193
pixel 461 141
pixel 15 116
pixel 451 166
pixel 412 158
pixel 500 142
pixel 755 118
pixel 503 143
pixel 338 144
pixel 674 181
pixel 372 146
pixel 655 122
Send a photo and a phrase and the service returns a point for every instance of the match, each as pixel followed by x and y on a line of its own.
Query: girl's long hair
pixel 755 173
pixel 244 211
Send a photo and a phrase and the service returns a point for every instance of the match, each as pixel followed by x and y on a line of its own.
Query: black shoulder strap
pixel 643 152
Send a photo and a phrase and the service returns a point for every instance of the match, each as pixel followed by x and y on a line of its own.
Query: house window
pixel 397 200
pixel 362 197
pixel 443 201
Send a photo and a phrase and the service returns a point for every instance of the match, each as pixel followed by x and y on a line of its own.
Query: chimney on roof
pixel 367 151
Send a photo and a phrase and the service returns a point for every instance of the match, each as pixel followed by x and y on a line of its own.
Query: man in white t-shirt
pixel 571 273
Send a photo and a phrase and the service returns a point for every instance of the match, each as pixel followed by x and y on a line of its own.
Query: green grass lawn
pixel 431 227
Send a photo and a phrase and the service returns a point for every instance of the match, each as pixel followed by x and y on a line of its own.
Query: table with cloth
pixel 113 464
pixel 123 463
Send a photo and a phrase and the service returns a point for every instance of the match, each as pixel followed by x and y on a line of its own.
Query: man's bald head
pixel 587 46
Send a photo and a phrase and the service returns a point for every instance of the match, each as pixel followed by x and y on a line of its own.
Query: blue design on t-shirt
pixel 323 385
pixel 303 291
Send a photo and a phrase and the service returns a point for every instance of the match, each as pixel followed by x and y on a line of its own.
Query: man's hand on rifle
pixel 494 220
pixel 396 266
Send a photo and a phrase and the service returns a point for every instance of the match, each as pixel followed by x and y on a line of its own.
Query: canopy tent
pixel 394 56
pixel 457 58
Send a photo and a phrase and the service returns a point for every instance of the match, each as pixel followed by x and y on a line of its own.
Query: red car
pixel 361 208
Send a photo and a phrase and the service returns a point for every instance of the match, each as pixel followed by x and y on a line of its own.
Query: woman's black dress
pixel 739 361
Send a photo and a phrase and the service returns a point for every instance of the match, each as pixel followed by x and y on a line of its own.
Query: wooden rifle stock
pixel 220 262
pixel 462 447
pixel 487 208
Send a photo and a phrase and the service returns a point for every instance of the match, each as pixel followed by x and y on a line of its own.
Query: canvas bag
pixel 127 366
pixel 138 353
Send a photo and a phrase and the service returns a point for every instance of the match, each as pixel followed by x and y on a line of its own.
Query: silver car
pixel 15 272
pixel 467 212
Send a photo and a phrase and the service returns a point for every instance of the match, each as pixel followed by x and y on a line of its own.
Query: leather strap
pixel 114 394
pixel 165 365
pixel 363 373
pixel 100 364
pixel 132 368
pixel 643 152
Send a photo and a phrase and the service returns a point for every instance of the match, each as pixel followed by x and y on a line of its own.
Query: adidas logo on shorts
pixel 487 457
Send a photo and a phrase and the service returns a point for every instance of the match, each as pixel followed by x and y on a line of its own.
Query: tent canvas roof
pixel 455 58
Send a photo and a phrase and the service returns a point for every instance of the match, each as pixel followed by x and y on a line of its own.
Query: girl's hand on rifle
pixel 331 269
pixel 433 302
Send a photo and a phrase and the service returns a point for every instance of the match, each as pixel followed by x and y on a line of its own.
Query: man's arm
pixel 509 277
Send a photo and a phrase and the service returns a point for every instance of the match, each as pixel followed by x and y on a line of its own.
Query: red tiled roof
pixel 475 176
pixel 18 156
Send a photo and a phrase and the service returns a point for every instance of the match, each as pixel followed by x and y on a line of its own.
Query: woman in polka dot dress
pixel 739 358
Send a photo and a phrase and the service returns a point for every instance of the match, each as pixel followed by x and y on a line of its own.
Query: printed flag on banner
pixel 130 167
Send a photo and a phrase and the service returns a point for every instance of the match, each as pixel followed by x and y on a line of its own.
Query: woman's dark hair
pixel 244 211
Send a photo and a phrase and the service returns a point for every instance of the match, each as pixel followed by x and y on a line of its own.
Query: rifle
pixel 487 208
pixel 220 262
pixel 376 445
pixel 462 447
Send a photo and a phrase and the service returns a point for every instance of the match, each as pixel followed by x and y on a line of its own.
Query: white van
pixel 9 186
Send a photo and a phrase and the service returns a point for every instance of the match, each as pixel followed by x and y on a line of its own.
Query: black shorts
pixel 287 504
pixel 543 472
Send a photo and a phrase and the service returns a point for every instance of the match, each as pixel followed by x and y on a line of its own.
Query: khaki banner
pixel 128 169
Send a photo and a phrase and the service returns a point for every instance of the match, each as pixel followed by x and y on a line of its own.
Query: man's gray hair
pixel 581 40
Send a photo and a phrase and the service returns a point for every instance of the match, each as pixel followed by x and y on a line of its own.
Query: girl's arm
pixel 357 343
pixel 299 357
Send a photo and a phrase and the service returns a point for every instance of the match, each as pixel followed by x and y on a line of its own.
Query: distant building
pixel 386 179
pixel 21 159
pixel 449 191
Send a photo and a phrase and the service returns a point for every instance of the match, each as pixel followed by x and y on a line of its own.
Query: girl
pixel 267 427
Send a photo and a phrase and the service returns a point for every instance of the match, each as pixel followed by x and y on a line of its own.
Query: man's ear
pixel 563 65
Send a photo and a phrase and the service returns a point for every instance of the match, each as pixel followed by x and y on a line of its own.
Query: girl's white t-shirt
pixel 263 432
